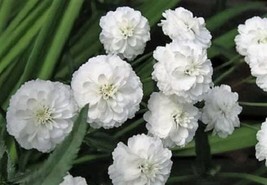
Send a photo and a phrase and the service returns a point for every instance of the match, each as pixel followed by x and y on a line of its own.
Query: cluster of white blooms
pixel 261 147
pixel 70 180
pixel 180 25
pixel 41 114
pixel 170 120
pixel 143 161
pixel 221 111
pixel 251 42
pixel 124 32
pixel 111 88
pixel 183 70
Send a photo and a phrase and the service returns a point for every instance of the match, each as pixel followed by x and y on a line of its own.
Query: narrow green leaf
pixel 153 12
pixel 60 161
pixel 60 38
pixel 42 42
pixel 252 178
pixel 243 137
pixel 21 44
pixel 221 18
pixel 223 43
pixel 5 10
pixel 11 39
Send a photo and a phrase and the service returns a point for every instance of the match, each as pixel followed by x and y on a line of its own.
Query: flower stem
pixel 253 104
pixel 202 149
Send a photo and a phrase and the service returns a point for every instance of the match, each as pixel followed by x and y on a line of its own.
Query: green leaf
pixel 222 44
pixel 153 11
pixel 60 38
pixel 223 17
pixel 60 161
pixel 246 176
pixel 243 137
pixel 5 11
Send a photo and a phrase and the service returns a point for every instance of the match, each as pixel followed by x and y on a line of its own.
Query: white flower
pixel 143 162
pixel 41 114
pixel 181 25
pixel 70 180
pixel 111 88
pixel 257 57
pixel 261 146
pixel 221 110
pixel 183 70
pixel 124 32
pixel 170 120
pixel 253 32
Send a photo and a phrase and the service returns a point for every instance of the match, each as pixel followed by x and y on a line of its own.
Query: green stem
pixel 129 128
pixel 88 158
pixel 60 38
pixel 253 104
pixel 232 61
pixel 202 149
pixel 174 180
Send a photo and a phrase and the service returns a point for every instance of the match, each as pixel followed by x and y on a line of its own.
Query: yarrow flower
pixel 70 180
pixel 170 120
pixel 41 114
pixel 261 146
pixel 252 33
pixel 111 88
pixel 258 65
pixel 180 25
pixel 143 162
pixel 183 70
pixel 124 32
pixel 221 111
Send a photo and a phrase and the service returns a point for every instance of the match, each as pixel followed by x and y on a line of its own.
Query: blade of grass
pixel 60 38
pixel 5 10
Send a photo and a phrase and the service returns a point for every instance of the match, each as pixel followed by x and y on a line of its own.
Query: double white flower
pixel 221 111
pixel 261 146
pixel 124 32
pixel 252 43
pixel 111 88
pixel 174 122
pixel 70 180
pixel 41 114
pixel 183 70
pixel 180 25
pixel 144 161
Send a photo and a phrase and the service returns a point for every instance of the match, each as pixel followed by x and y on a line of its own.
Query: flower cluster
pixel 70 180
pixel 41 114
pixel 170 120
pixel 221 111
pixel 179 24
pixel 143 160
pixel 111 88
pixel 124 32
pixel 251 42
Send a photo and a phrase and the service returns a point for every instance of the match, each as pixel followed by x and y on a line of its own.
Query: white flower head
pixel 261 146
pixel 111 88
pixel 181 25
pixel 124 32
pixel 253 32
pixel 221 111
pixel 41 114
pixel 143 162
pixel 183 70
pixel 70 180
pixel 174 122
pixel 257 57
